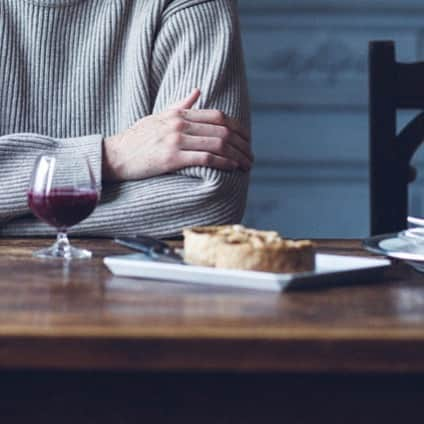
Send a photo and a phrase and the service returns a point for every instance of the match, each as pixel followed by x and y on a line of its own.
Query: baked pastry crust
pixel 237 247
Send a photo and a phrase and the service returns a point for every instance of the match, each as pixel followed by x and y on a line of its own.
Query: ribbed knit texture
pixel 75 71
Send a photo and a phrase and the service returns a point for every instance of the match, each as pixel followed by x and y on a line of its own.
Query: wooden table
pixel 79 345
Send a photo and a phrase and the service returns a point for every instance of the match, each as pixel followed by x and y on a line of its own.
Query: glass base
pixel 62 249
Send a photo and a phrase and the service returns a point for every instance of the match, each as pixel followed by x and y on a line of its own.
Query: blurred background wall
pixel 307 70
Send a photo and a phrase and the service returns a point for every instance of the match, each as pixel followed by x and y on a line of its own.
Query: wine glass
pixel 62 193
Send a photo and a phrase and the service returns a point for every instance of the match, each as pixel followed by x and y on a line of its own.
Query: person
pixel 153 92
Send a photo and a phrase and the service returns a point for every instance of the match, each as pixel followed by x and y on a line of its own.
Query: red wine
pixel 63 207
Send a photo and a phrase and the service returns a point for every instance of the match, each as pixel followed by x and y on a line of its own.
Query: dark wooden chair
pixel 392 86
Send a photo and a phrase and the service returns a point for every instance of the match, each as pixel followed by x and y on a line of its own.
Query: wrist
pixel 109 170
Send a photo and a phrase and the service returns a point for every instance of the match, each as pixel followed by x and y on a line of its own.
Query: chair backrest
pixel 392 86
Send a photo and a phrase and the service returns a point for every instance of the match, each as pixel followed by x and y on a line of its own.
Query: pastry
pixel 237 247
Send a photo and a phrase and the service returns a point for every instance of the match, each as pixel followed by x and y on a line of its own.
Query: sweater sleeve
pixel 197 46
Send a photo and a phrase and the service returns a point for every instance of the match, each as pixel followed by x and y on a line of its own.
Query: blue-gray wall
pixel 307 69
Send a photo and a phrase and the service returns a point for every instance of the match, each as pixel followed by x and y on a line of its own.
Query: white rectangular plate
pixel 330 270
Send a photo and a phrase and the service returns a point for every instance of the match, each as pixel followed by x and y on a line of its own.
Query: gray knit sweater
pixel 75 71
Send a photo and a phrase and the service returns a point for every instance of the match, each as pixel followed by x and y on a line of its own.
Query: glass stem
pixel 62 244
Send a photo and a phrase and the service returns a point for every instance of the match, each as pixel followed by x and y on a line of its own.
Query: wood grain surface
pixel 78 316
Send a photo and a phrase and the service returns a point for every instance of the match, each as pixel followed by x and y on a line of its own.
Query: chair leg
pixel 389 200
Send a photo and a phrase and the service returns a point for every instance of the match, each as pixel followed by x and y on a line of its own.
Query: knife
pixel 156 249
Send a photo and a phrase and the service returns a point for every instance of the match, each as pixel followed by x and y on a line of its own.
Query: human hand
pixel 174 139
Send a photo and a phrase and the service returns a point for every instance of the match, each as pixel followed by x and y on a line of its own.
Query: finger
pixel 209 130
pixel 216 117
pixel 188 102
pixel 210 160
pixel 218 147
pixel 241 145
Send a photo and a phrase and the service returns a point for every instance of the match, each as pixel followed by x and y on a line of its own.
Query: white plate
pixel 404 246
pixel 330 270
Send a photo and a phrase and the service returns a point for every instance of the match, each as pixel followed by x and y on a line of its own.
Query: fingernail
pixel 244 166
